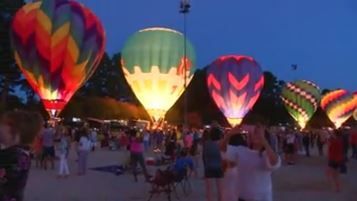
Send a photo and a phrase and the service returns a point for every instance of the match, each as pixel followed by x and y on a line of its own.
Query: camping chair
pixel 163 182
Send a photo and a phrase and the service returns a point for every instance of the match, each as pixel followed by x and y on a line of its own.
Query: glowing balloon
pixel 355 112
pixel 339 106
pixel 355 115
pixel 153 61
pixel 301 99
pixel 57 45
pixel 235 83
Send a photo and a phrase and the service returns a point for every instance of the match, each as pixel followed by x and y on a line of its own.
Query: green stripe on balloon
pixel 301 100
pixel 156 47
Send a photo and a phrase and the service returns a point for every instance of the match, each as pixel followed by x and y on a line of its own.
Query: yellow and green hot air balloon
pixel 301 98
pixel 155 65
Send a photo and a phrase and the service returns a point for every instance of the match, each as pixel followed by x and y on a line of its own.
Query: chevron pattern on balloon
pixel 57 44
pixel 235 83
pixel 339 106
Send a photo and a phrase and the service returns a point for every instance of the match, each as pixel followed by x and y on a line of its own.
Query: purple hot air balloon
pixel 235 83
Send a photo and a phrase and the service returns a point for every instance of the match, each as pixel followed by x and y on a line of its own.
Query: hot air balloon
pixel 301 99
pixel 355 112
pixel 339 106
pixel 355 115
pixel 155 65
pixel 57 45
pixel 235 83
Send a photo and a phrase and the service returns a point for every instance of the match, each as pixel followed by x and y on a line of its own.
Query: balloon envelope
pixel 57 45
pixel 301 98
pixel 339 105
pixel 155 66
pixel 235 83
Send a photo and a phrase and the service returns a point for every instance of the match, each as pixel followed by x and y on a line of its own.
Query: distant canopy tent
pixel 155 67
pixel 301 99
pixel 235 83
pixel 339 106
pixel 58 45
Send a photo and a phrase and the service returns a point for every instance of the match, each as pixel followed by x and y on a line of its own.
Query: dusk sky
pixel 318 35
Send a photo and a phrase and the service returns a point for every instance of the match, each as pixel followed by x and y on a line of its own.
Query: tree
pixel 199 102
pixel 10 75
pixel 108 80
pixel 269 106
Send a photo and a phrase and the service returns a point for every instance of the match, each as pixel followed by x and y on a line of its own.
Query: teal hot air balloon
pixel 154 65
pixel 301 98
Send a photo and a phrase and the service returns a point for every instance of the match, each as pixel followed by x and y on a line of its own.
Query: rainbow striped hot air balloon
pixel 235 83
pixel 57 45
pixel 154 65
pixel 355 112
pixel 301 99
pixel 339 105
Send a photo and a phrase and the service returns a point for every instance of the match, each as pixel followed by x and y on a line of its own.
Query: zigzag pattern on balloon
pixel 303 93
pixel 339 105
pixel 301 100
pixel 296 107
pixel 58 45
pixel 235 83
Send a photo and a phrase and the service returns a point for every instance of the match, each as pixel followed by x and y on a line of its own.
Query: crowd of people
pixel 237 162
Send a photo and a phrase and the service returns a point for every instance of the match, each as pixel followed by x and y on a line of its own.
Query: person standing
pixel 290 147
pixel 255 166
pixel 84 147
pixel 274 140
pixel 306 143
pixel 137 155
pixel 18 130
pixel 353 142
pixel 230 184
pixel 320 141
pixel 63 169
pixel 188 140
pixel 336 159
pixel 346 143
pixel 49 147
pixel 146 140
pixel 212 161
pixel 37 149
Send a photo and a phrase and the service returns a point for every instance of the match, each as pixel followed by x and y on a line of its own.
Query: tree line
pixel 107 95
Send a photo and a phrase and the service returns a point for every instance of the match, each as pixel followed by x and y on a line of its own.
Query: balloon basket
pixel 234 121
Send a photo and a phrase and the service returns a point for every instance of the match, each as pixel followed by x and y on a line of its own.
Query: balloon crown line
pixel 160 29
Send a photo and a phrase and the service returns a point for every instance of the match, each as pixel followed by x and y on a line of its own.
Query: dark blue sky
pixel 318 35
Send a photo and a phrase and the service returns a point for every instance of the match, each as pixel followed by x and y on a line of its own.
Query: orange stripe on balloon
pixel 44 21
pixel 60 34
pixel 238 85
pixel 331 96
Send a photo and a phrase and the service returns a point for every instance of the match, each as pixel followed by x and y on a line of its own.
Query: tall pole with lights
pixel 185 10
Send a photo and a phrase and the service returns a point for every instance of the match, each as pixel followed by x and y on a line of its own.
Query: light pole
pixel 185 10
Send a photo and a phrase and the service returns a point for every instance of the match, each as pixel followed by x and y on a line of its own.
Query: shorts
pixel 48 152
pixel 335 165
pixel 290 148
pixel 213 173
